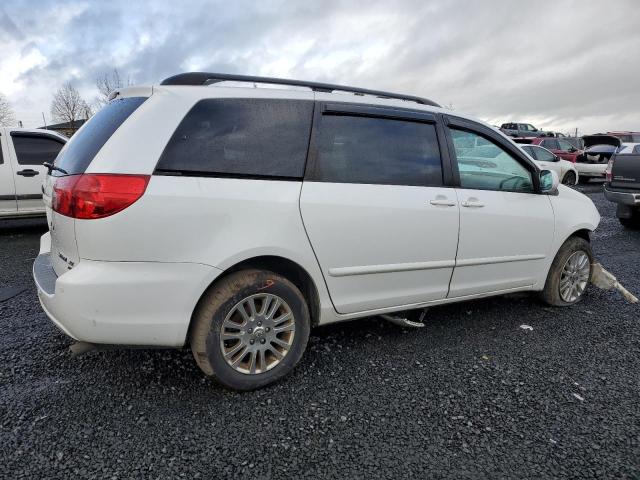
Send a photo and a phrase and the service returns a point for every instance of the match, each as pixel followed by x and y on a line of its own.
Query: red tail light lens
pixel 608 172
pixel 90 196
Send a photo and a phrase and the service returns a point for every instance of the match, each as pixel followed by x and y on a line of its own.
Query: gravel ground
pixel 472 395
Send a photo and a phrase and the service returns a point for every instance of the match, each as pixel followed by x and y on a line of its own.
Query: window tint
pixel 35 150
pixel 254 137
pixel 544 155
pixel 377 151
pixel 85 144
pixel 488 167
pixel 550 143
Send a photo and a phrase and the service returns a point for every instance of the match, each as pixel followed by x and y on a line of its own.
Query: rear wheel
pixel 569 178
pixel 250 329
pixel 570 273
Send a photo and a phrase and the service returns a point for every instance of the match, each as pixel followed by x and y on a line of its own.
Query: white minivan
pixel 22 154
pixel 207 212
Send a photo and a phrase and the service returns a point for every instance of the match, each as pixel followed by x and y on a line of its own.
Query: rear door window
pixel 544 155
pixel 87 142
pixel 565 146
pixel 360 149
pixel 34 149
pixel 241 137
pixel 550 143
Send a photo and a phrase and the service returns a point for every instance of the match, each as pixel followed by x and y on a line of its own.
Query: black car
pixel 622 184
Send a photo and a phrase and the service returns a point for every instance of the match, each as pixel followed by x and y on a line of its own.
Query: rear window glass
pixel 377 151
pixel 84 145
pixel 241 137
pixel 35 150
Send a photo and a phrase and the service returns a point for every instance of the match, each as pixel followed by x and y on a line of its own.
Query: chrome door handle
pixel 442 203
pixel 472 204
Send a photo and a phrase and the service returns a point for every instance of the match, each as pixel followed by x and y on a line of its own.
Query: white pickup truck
pixel 22 154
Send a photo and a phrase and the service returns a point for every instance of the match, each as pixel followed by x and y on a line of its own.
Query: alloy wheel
pixel 257 333
pixel 574 276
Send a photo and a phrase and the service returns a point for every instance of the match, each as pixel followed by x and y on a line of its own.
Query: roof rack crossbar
pixel 204 78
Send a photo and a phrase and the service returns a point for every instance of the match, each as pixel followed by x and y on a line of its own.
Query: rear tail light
pixel 90 196
pixel 608 173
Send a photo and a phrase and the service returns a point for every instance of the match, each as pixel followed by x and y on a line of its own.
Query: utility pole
pixel 44 120
pixel 576 135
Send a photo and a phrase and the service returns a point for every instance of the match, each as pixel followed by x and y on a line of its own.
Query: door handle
pixel 472 203
pixel 28 172
pixel 442 202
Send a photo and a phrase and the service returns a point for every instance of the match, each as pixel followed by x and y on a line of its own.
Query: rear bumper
pixel 595 170
pixel 625 198
pixel 122 303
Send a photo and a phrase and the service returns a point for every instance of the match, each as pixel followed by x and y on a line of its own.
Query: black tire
pixel 632 223
pixel 218 302
pixel 569 179
pixel 551 293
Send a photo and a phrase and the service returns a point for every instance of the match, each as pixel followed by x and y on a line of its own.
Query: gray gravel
pixel 472 395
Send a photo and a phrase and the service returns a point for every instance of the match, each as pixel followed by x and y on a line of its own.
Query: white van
pixel 234 219
pixel 22 154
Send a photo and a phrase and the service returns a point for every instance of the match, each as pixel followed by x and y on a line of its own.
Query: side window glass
pixel 488 167
pixel 377 151
pixel 544 155
pixel 564 145
pixel 531 152
pixel 551 144
pixel 256 137
pixel 35 150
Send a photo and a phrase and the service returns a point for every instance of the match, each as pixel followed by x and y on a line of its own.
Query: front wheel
pixel 570 273
pixel 569 179
pixel 250 329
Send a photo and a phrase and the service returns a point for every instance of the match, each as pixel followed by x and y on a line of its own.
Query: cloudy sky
pixel 556 64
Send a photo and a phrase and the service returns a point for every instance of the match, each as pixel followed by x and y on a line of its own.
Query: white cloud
pixel 558 64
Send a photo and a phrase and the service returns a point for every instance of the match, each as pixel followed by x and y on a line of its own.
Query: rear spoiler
pixel 138 91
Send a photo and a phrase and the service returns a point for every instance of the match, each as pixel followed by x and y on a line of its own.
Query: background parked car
pixel 547 160
pixel 22 153
pixel 626 137
pixel 575 141
pixel 622 184
pixel 586 168
pixel 521 130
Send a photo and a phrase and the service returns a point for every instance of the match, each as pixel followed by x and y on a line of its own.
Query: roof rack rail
pixel 204 78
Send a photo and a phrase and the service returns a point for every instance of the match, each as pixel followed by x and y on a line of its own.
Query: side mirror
pixel 573 149
pixel 549 182
pixel 556 158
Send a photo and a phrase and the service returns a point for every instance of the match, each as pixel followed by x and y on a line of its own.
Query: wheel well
pixel 584 233
pixel 288 269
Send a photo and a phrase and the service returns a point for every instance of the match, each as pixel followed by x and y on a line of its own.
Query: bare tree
pixel 68 106
pixel 7 117
pixel 108 83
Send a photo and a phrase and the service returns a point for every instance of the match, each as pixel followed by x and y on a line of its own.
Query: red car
pixel 558 146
